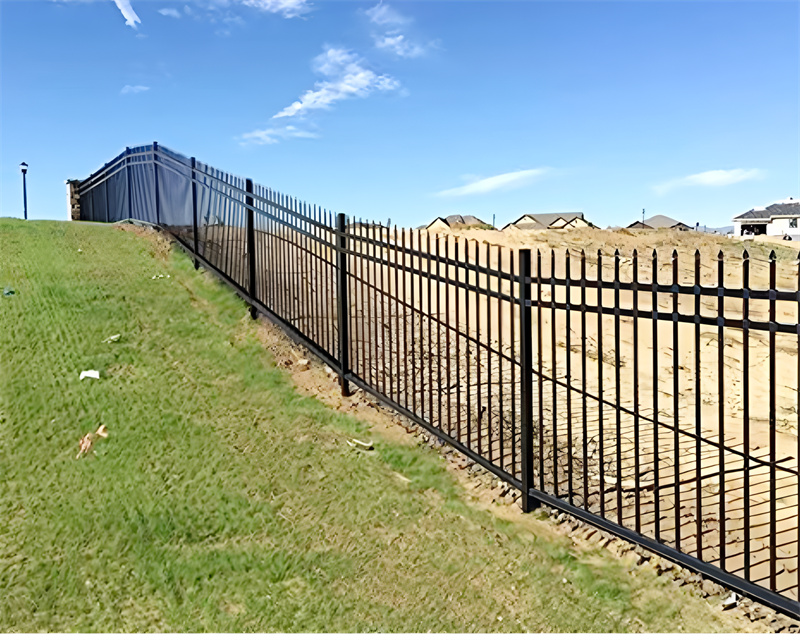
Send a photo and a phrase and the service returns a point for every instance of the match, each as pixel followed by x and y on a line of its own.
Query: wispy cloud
pixel 382 15
pixel 715 178
pixel 286 8
pixel 397 44
pixel 275 135
pixel 393 40
pixel 504 181
pixel 129 88
pixel 347 77
pixel 131 19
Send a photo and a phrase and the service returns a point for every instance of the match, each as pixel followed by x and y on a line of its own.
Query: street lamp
pixel 24 168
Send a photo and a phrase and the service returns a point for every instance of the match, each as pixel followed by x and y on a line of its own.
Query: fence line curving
pixel 650 398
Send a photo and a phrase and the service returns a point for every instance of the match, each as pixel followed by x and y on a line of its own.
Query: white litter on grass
pixel 91 373
pixel 731 601
pixel 160 275
pixel 364 446
pixel 113 338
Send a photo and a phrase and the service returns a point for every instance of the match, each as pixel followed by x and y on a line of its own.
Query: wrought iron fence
pixel 657 402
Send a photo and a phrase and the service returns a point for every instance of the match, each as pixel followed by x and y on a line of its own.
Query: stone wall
pixel 73 199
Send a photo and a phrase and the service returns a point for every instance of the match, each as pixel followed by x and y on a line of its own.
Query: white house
pixel 778 219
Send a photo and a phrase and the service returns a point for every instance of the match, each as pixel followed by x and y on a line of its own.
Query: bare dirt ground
pixel 732 507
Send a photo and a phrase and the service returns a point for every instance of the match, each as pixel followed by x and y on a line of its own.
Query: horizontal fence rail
pixel 657 399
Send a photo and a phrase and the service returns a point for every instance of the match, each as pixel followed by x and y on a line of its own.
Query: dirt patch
pixel 160 243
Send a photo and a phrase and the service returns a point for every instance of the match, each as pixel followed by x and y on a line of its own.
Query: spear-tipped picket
pixel 721 402
pixel 636 442
pixel 773 455
pixel 676 388
pixel 656 461
pixel 746 405
pixel 617 386
pixel 698 452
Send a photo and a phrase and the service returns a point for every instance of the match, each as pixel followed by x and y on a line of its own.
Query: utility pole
pixel 642 215
pixel 24 168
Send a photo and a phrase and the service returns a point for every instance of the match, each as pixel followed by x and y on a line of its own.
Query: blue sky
pixel 409 110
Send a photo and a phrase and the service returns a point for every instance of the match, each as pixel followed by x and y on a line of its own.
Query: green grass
pixel 224 500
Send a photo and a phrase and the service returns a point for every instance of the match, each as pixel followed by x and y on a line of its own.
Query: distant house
pixel 660 222
pixel 454 222
pixel 440 224
pixel 533 221
pixel 778 219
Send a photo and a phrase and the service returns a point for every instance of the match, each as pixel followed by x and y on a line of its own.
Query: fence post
pixel 343 304
pixel 105 184
pixel 128 180
pixel 526 379
pixel 194 214
pixel 251 248
pixel 155 171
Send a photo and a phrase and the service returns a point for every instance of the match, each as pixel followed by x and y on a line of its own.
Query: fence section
pixel 648 397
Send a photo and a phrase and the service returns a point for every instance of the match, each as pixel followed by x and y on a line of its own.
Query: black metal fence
pixel 656 402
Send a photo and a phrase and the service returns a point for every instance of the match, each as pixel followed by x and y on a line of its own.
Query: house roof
pixel 788 207
pixel 435 220
pixel 658 222
pixel 784 209
pixel 544 220
pixel 460 221
pixel 754 214
pixel 466 220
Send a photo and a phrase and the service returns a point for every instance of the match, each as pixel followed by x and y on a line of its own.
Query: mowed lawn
pixel 223 500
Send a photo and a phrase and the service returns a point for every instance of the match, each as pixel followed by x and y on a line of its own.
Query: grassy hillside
pixel 223 500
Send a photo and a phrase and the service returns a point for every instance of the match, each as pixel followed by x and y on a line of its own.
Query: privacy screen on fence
pixel 657 399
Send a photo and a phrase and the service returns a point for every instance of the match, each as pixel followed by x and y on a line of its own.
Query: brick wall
pixel 73 199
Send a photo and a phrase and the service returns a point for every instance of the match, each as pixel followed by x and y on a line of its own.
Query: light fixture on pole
pixel 24 168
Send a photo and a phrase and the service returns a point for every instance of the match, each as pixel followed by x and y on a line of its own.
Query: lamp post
pixel 24 168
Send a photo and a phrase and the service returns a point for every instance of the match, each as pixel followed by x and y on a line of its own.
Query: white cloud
pixel 275 135
pixel 505 181
pixel 715 178
pixel 347 78
pixel 133 89
pixel 397 44
pixel 383 14
pixel 394 40
pixel 127 12
pixel 287 8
